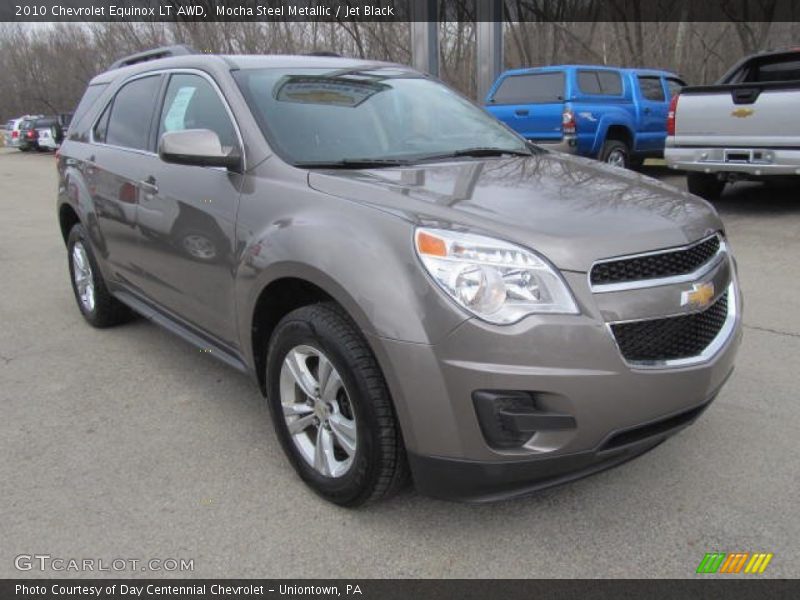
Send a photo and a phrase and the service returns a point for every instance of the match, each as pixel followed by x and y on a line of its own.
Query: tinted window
pixel 675 86
pixel 131 112
pixel 192 103
pixel 101 126
pixel 651 88
pixel 91 94
pixel 600 83
pixel 536 88
pixel 45 123
pixel 784 70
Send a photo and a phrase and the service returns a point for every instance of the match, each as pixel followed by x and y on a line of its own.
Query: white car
pixel 12 129
pixel 49 133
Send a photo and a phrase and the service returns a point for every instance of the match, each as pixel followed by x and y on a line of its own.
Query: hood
pixel 572 210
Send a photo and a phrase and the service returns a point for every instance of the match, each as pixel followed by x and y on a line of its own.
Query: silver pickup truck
pixel 743 127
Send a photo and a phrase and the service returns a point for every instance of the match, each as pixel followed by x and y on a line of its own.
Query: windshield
pixel 319 116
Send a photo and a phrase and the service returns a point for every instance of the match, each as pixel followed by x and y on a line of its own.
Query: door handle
pixel 149 185
pixel 521 113
pixel 647 110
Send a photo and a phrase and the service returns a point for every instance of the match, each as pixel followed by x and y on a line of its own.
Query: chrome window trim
pixel 604 288
pixel 708 353
pixel 183 70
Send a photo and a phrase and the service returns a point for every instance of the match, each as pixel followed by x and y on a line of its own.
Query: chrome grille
pixel 671 338
pixel 655 265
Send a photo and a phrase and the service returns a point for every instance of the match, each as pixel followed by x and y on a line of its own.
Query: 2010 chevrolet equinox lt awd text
pixel 417 290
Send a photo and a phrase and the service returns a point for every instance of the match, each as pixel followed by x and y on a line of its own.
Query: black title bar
pixel 707 587
pixel 396 10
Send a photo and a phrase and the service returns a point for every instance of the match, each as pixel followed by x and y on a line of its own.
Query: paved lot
pixel 129 443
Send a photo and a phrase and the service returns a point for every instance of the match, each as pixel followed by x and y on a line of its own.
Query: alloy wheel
pixel 318 411
pixel 83 277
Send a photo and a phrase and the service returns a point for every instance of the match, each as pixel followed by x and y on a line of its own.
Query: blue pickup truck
pixel 616 115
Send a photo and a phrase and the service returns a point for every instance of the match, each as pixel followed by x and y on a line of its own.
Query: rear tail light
pixel 30 134
pixel 673 107
pixel 568 121
pixel 14 134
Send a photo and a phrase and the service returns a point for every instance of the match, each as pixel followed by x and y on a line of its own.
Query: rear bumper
pixel 567 144
pixel 762 162
pixel 482 481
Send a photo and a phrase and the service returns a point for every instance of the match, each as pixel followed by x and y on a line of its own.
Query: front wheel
pixel 616 154
pixel 331 408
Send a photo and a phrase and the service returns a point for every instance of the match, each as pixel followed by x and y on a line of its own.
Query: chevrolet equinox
pixel 418 291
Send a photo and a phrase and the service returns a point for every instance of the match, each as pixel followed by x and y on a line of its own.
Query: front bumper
pixel 484 481
pixel 756 162
pixel 572 366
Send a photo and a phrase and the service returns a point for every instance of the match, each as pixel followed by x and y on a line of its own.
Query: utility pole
pixel 425 36
pixel 489 59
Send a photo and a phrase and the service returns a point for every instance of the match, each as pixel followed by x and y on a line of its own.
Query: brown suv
pixel 412 285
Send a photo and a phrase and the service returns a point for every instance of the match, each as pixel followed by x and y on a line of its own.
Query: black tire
pixel 612 149
pixel 636 162
pixel 705 185
pixel 379 468
pixel 107 310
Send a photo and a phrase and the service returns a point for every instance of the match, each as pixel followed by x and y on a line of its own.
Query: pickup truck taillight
pixel 568 122
pixel 673 107
pixel 14 134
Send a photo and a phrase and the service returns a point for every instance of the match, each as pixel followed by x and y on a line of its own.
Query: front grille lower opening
pixel 671 338
pixel 655 266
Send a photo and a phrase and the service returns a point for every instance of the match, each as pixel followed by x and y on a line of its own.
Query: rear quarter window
pixel 533 88
pixel 651 88
pixel 90 96
pixel 600 83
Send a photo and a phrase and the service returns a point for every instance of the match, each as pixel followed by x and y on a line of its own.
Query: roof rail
pixel 155 53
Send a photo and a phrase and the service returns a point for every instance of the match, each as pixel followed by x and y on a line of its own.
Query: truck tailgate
pixel 743 115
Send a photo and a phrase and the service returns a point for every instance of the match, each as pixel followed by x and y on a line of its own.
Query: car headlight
pixel 494 280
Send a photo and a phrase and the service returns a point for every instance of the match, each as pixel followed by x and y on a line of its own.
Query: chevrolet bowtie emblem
pixel 741 113
pixel 700 295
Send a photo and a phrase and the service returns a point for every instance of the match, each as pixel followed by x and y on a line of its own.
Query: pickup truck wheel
pixel 705 185
pixel 615 153
pixel 331 408
pixel 97 305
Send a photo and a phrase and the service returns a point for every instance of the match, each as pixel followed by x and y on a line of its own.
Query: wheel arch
pixel 67 219
pixel 292 287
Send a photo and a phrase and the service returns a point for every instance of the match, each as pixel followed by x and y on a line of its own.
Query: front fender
pixel 360 256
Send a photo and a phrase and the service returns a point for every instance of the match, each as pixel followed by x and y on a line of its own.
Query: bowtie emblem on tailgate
pixel 700 295
pixel 741 113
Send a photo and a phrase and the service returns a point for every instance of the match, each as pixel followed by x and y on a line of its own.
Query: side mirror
pixel 199 147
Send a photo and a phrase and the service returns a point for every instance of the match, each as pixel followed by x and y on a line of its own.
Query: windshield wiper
pixel 354 163
pixel 477 153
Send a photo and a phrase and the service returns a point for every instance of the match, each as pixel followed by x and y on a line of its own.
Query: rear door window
pixel 600 83
pixel 651 88
pixel 131 113
pixel 533 88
